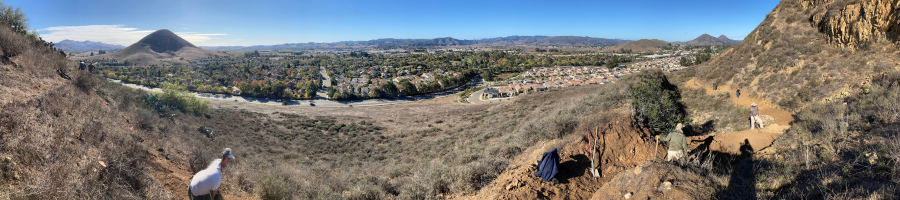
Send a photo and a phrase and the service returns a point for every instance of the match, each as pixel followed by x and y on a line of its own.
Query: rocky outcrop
pixel 852 24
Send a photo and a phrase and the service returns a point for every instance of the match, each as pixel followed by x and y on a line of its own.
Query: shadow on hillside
pixel 704 129
pixel 742 182
pixel 573 168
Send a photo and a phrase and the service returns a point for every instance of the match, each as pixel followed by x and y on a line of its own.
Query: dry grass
pixel 790 61
pixel 820 158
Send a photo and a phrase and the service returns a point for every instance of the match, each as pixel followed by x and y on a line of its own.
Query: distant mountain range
pixel 708 40
pixel 447 41
pixel 70 45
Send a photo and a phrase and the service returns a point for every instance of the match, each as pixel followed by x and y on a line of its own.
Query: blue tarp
pixel 548 166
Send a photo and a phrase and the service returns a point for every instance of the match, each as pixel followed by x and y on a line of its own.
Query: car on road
pixel 311 103
pixel 279 100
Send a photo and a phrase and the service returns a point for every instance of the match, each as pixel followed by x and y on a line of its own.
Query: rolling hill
pixel 160 47
pixel 708 40
pixel 727 40
pixel 639 46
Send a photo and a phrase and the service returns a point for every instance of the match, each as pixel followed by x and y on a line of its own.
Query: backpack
pixel 548 167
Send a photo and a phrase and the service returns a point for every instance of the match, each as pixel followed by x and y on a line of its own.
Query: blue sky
pixel 265 22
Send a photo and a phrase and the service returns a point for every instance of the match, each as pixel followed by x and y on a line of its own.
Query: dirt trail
pixel 732 141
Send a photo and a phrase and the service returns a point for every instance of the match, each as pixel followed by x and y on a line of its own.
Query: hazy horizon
pixel 240 23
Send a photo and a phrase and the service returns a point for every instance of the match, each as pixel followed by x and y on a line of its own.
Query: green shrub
pixel 657 102
pixel 274 187
pixel 177 97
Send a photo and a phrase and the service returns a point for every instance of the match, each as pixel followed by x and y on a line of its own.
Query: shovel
pixel 592 140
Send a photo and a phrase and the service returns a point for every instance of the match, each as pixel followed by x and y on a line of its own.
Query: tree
pixel 390 90
pixel 657 102
pixel 684 61
pixel 14 17
pixel 612 62
pixel 408 88
pixel 331 91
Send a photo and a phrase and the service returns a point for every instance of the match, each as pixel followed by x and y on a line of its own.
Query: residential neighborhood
pixel 544 78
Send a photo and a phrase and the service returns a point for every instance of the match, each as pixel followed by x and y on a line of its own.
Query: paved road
pixel 322 93
pixel 318 102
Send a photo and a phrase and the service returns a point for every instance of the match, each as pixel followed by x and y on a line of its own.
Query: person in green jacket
pixel 677 143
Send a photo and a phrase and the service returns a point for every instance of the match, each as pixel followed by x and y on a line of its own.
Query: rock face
pixel 854 24
pixel 812 51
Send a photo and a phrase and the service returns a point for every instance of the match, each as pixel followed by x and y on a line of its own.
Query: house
pixel 551 85
pixel 490 93
pixel 235 90
pixel 537 87
pixel 506 91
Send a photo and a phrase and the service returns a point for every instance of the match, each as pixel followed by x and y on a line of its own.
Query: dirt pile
pixel 623 144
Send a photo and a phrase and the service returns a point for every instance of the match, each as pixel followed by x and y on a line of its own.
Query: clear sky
pixel 267 22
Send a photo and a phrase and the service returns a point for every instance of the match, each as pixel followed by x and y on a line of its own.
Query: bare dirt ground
pixel 628 162
pixel 621 147
pixel 776 122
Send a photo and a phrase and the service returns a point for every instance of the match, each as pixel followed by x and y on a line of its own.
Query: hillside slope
pixel 812 51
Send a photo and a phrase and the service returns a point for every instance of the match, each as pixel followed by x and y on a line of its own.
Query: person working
pixel 754 116
pixel 677 143
pixel 205 184
pixel 738 93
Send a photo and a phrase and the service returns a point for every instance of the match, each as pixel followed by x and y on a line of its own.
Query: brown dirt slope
pixel 657 179
pixel 812 51
pixel 621 146
pixel 668 180
pixel 776 123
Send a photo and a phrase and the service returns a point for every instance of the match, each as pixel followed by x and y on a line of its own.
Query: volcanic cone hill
pixel 160 47
pixel 708 40
pixel 727 40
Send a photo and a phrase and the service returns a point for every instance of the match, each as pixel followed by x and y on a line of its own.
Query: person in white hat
pixel 205 184
pixel 754 116
pixel 677 143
